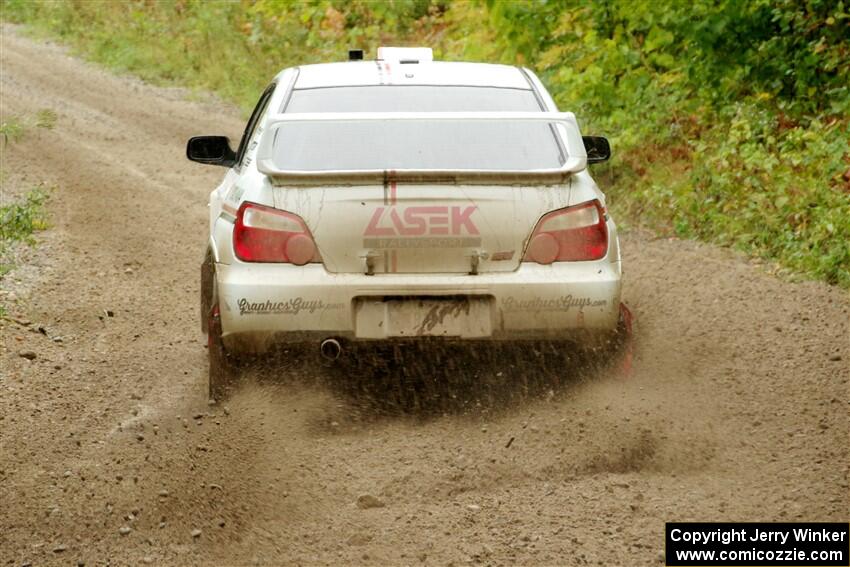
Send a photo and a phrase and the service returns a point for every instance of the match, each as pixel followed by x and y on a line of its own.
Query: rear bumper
pixel 263 304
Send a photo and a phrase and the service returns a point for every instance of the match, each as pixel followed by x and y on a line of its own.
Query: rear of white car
pixel 402 199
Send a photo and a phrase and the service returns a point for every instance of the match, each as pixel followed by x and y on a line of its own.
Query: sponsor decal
pixel 392 227
pixel 422 221
pixel 438 313
pixel 562 303
pixel 289 307
pixel 426 242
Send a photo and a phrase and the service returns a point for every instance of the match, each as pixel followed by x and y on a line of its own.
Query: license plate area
pixel 462 316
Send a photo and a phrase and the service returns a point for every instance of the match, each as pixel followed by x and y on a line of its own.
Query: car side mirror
pixel 598 149
pixel 212 150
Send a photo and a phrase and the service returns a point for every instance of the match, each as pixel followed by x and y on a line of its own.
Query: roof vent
pixel 406 54
pixel 355 55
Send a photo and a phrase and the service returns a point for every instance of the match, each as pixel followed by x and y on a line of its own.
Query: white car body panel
pixel 532 302
pixel 421 228
pixel 421 241
pixel 359 73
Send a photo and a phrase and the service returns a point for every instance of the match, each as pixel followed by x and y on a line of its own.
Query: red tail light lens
pixel 263 234
pixel 569 235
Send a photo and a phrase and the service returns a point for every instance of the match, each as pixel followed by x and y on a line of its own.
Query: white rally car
pixel 404 198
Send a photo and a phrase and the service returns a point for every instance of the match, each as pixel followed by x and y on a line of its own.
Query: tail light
pixel 573 234
pixel 263 234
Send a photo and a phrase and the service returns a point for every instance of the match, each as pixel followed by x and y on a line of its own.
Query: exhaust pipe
pixel 330 349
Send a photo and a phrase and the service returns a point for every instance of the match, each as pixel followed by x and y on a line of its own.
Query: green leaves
pixel 658 38
pixel 18 220
pixel 717 110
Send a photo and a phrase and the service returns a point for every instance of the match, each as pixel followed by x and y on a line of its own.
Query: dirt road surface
pixel 110 454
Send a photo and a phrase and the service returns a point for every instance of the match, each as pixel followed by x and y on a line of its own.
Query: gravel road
pixel 738 408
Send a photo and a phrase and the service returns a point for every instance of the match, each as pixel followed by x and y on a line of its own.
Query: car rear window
pixel 420 145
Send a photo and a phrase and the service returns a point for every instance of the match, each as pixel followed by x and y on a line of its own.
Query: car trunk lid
pixel 421 228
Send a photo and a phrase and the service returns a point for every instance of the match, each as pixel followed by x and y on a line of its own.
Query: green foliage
pixel 20 219
pixel 45 118
pixel 11 129
pixel 729 119
pixel 14 127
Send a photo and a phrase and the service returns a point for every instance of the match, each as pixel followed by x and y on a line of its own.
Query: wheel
pixel 223 368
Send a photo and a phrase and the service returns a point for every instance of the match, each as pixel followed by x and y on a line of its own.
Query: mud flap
pixel 207 299
pixel 223 370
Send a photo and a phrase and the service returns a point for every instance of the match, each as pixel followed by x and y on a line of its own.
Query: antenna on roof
pixel 355 55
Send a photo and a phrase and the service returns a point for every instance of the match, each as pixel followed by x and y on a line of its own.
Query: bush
pixel 20 219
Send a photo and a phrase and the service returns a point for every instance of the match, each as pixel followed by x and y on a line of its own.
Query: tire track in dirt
pixel 737 409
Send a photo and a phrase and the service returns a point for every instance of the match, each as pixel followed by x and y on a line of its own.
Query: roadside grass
pixel 11 129
pixel 14 127
pixel 19 220
pixel 22 216
pixel 744 144
pixel 25 215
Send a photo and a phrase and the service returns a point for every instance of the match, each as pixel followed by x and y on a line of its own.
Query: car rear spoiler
pixel 576 159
